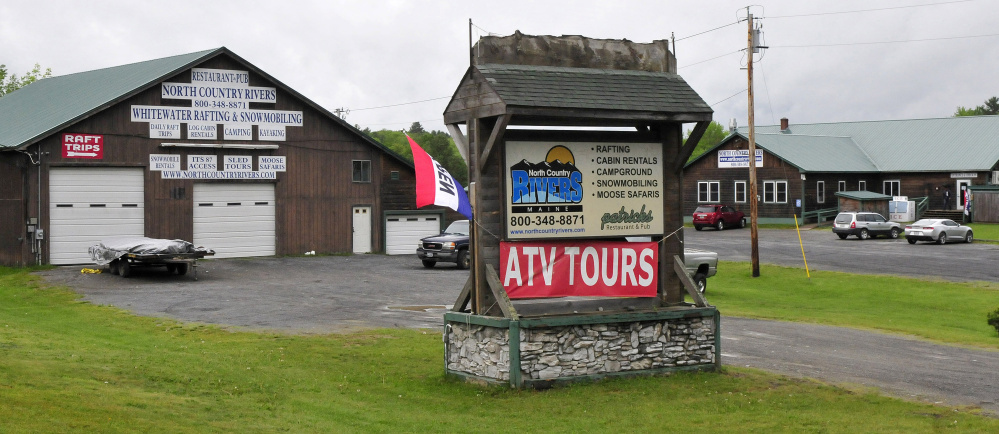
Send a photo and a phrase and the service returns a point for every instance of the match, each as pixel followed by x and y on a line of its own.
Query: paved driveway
pixel 344 293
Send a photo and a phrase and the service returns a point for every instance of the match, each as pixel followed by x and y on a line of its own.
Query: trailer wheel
pixel 171 268
pixel 181 269
pixel 124 268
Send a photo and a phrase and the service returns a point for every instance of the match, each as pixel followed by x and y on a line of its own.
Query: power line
pixel 885 42
pixel 402 103
pixel 730 97
pixel 869 10
pixel 708 60
pixel 707 31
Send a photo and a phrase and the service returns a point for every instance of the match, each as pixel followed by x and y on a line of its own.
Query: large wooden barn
pixel 203 147
pixel 800 168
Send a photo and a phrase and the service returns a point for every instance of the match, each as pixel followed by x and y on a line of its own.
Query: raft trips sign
pixel 583 190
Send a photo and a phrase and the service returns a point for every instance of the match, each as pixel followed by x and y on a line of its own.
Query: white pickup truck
pixel 700 264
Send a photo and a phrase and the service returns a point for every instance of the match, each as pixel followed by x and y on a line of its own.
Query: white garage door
pixel 403 232
pixel 235 220
pixel 89 204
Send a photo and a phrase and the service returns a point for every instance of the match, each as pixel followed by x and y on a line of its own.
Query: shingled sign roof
pixel 583 92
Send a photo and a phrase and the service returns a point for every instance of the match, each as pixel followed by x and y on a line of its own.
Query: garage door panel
pixel 403 232
pixel 235 220
pixel 75 223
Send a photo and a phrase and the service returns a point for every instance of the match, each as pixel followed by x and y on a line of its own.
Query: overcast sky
pixel 827 61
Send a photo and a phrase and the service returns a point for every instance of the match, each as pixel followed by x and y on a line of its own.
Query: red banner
pixel 533 269
pixel 89 146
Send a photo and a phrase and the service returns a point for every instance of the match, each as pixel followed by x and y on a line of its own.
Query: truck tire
pixel 429 264
pixel 463 260
pixel 113 267
pixel 701 282
pixel 124 268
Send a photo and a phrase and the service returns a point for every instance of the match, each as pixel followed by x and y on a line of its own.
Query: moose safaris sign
pixel 583 190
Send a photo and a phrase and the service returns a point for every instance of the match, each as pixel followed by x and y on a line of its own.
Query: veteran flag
pixel 434 185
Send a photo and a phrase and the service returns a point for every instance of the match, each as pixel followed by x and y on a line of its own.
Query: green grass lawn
pixel 67 365
pixel 985 231
pixel 946 312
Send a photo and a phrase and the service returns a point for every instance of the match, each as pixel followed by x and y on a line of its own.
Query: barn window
pixel 708 191
pixel 740 191
pixel 891 188
pixel 820 192
pixel 362 170
pixel 774 191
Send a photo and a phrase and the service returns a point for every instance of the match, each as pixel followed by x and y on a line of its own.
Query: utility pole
pixel 341 112
pixel 754 233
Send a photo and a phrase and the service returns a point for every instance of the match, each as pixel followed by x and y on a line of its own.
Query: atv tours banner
pixel 532 269
pixel 434 185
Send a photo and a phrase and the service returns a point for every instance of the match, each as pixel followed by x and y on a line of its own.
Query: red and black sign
pixel 582 268
pixel 90 146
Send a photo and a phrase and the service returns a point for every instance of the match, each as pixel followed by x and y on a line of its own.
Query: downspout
pixel 38 226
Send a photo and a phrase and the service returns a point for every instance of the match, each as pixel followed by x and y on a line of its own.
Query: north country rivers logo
pixel 554 184
pixel 624 216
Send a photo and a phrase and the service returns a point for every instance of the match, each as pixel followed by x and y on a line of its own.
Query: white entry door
pixel 89 204
pixel 235 220
pixel 362 229
pixel 962 185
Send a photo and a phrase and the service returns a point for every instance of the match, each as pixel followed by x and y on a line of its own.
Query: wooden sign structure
pixel 575 149
pixel 593 84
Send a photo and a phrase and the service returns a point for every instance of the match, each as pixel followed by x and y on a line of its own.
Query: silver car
pixel 937 230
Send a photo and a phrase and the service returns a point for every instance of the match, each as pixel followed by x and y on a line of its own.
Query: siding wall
pixel 314 196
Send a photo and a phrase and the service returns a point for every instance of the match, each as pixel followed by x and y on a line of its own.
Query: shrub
pixel 994 319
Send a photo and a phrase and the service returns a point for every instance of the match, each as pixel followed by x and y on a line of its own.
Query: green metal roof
pixel 595 89
pixel 966 143
pixel 35 111
pixel 863 195
pixel 817 153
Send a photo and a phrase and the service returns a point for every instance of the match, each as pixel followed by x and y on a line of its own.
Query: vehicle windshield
pixel 459 227
pixel 705 209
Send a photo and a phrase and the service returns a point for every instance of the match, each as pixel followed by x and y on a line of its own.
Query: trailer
pixel 123 254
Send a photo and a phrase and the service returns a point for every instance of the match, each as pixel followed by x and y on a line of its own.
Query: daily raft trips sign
pixel 583 190
pixel 532 269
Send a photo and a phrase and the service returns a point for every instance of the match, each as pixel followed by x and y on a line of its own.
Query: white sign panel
pixel 199 131
pixel 164 162
pixel 577 190
pixel 164 130
pixel 237 132
pixel 216 174
pixel 202 162
pixel 218 96
pixel 268 132
pixel 738 158
pixel 272 164
pixel 237 163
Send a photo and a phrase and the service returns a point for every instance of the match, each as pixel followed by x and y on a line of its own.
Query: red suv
pixel 718 216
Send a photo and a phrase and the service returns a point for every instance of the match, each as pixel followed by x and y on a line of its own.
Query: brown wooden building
pixel 203 147
pixel 801 167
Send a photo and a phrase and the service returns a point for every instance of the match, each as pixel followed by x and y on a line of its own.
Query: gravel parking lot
pixel 317 294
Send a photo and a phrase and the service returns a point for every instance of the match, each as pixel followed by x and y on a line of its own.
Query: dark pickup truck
pixel 450 246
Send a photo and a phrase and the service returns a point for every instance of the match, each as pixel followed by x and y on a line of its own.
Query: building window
pixel 891 188
pixel 820 191
pixel 774 191
pixel 708 191
pixel 362 170
pixel 740 191
pixel 841 186
pixel 862 186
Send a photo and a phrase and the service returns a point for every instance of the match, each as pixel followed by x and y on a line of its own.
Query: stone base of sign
pixel 580 347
